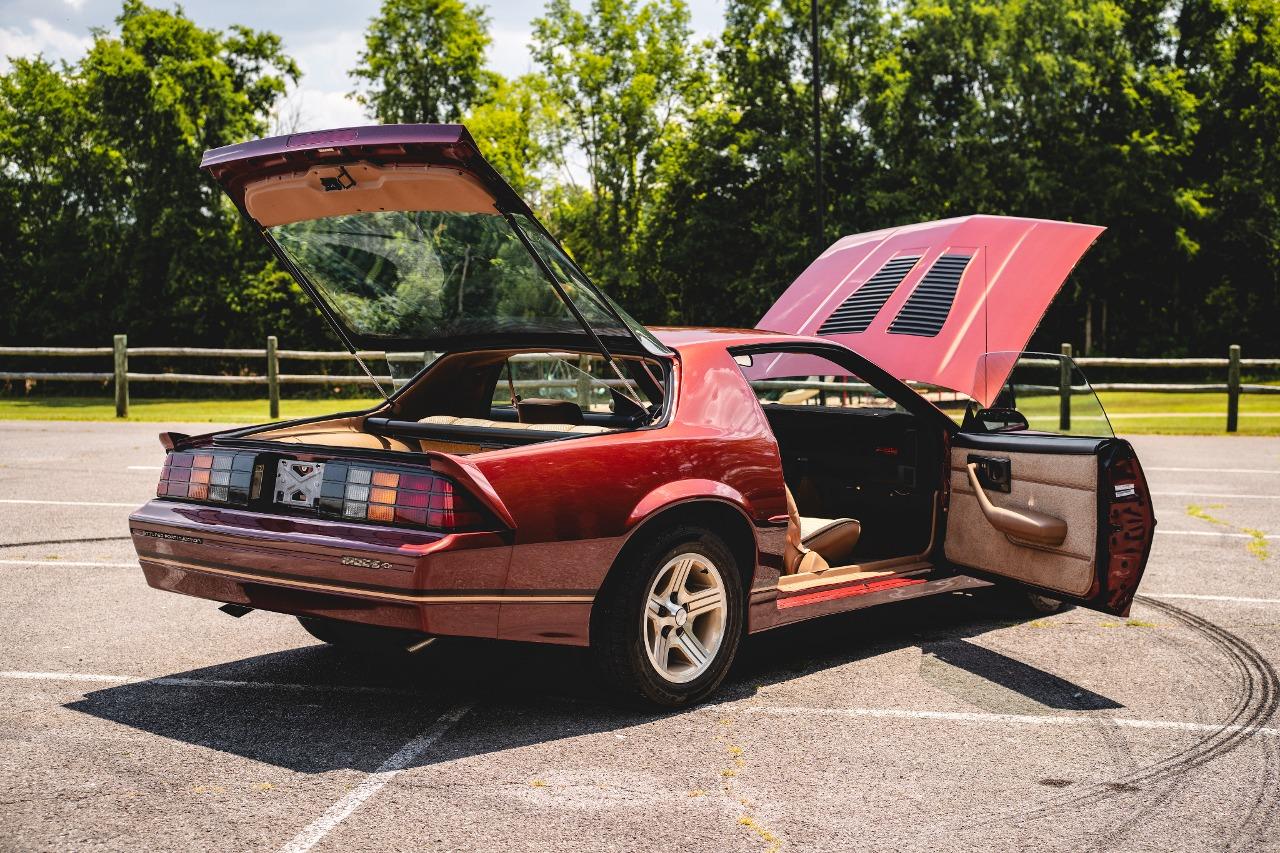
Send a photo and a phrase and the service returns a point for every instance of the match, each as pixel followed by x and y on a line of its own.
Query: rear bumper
pixel 442 584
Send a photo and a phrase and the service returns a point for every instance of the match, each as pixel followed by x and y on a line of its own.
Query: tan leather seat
pixel 485 422
pixel 816 544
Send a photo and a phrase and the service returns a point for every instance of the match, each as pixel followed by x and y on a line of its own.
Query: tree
pixel 1230 52
pixel 733 219
pixel 514 127
pixel 621 74
pixel 114 225
pixel 1052 108
pixel 424 61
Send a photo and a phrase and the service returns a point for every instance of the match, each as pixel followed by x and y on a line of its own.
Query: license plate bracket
pixel 298 483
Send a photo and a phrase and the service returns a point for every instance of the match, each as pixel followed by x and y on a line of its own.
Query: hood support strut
pixel 564 297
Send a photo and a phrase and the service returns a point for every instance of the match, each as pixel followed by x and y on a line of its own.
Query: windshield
pixel 430 276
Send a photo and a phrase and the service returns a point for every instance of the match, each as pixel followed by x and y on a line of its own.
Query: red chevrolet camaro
pixel 544 468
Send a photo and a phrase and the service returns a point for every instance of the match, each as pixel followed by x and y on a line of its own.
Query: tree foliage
pixel 623 76
pixel 423 61
pixel 107 224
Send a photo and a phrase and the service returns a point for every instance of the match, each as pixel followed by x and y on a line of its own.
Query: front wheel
pixel 668 622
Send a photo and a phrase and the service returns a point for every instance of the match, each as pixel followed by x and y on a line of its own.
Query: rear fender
pixel 684 490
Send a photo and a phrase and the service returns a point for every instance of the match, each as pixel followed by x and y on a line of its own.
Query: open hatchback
pixel 547 469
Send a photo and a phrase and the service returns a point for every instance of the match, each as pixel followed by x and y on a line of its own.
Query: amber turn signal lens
pixel 382 496
pixel 381 512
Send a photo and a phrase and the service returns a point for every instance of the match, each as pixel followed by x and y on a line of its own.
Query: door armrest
pixel 1028 525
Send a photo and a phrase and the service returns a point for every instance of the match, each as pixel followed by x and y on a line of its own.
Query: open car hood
pixel 408 239
pixel 925 302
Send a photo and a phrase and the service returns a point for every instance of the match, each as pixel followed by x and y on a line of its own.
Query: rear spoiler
pixel 474 481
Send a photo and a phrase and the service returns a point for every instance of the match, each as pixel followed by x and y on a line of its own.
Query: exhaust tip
pixel 236 610
pixel 420 645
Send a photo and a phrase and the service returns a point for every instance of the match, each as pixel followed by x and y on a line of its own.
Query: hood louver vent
pixel 860 307
pixel 929 304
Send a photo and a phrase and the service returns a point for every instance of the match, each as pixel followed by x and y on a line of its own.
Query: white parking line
pixel 1236 598
pixel 144 467
pixel 77 564
pixel 178 681
pixel 1009 719
pixel 1275 471
pixel 133 505
pixel 375 781
pixel 1212 495
pixel 1214 533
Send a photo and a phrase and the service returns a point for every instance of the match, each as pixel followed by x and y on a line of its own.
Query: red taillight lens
pixel 387 496
pixel 217 476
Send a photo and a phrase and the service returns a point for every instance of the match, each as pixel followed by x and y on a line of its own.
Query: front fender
pixel 683 490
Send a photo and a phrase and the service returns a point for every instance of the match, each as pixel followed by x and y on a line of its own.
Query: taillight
pixel 389 496
pixel 216 476
pixel 351 491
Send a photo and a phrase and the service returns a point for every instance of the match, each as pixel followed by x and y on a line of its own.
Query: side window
pixel 800 379
pixel 582 378
pixel 1036 392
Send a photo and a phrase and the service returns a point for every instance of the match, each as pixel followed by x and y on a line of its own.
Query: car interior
pixel 862 487
pixel 862 476
pixel 470 402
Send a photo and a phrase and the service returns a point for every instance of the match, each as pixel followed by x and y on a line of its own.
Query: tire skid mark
pixel 1162 791
pixel 1258 701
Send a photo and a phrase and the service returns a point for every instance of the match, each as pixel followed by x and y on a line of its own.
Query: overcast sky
pixel 324 36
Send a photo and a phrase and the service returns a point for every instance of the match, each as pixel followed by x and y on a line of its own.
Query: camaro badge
pixel 366 563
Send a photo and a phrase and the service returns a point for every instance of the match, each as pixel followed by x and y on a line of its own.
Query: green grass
pixel 169 410
pixel 1142 412
pixel 1132 412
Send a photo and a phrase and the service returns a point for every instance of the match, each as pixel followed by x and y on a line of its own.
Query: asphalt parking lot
pixel 134 719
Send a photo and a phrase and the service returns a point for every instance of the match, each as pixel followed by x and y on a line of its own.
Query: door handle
pixel 1028 525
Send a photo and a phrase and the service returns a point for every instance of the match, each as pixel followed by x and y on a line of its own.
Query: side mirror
pixel 994 420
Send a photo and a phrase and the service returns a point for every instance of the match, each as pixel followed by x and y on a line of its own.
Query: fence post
pixel 584 383
pixel 1064 390
pixel 1233 387
pixel 273 378
pixel 120 350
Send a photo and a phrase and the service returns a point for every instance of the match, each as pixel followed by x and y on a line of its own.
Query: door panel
pixel 1095 487
pixel 1060 486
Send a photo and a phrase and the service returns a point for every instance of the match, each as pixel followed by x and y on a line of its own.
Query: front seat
pixel 817 544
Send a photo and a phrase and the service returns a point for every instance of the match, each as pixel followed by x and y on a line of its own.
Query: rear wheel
pixel 667 624
pixel 355 636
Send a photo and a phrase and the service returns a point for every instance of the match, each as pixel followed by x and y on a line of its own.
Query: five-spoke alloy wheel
pixel 667 623
pixel 684 622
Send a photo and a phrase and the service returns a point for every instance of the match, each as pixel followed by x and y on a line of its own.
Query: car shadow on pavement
pixel 940 627
pixel 315 709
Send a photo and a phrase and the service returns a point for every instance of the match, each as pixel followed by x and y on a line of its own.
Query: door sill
pixel 852 574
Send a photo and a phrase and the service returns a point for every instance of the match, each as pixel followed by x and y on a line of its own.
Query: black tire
pixel 358 637
pixel 1019 600
pixel 617 644
pixel 1042 604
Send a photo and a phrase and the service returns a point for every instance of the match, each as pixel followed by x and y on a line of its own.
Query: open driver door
pixel 1042 493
